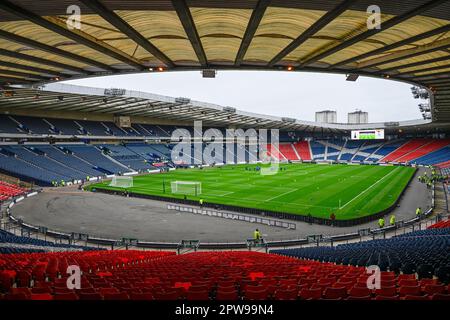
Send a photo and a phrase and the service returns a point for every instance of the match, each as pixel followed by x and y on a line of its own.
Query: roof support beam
pixel 414 64
pixel 29 68
pixel 6 80
pixel 23 74
pixel 53 50
pixel 446 73
pixel 111 17
pixel 26 57
pixel 75 101
pixel 405 54
pixel 184 14
pixel 447 66
pixel 92 107
pixel 313 29
pixel 80 37
pixel 367 34
pixel 393 46
pixel 252 26
pixel 440 82
pixel 49 101
pixel 109 105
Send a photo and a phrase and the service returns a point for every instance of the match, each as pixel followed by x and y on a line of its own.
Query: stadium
pixel 117 194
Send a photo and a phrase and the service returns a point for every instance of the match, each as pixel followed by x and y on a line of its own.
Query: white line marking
pixel 280 195
pixel 370 187
pixel 218 195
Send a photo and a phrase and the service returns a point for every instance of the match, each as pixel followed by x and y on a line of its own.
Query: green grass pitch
pixel 348 191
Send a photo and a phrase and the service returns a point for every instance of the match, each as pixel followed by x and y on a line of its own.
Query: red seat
pixel 90 296
pixel 141 296
pixel 407 282
pixel 226 289
pixel 434 288
pixel 170 295
pixel 116 296
pixel 223 295
pixel 286 294
pixel 41 296
pixel 17 296
pixel 311 294
pixel 65 296
pixel 335 293
pixel 386 292
pixel 62 290
pixel 406 277
pixel 440 296
pixel 386 298
pixel 255 294
pixel 408 297
pixel 104 291
pixel 197 295
pixel 410 290
pixel 359 292
pixel 26 291
pixel 41 290
pixel 86 290
pixel 358 298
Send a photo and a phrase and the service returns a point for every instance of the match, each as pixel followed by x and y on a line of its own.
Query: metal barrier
pixel 233 216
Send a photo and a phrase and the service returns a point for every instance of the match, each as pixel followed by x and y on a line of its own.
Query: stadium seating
pixel 424 252
pixel 440 157
pixel 126 156
pixel 303 150
pixel 8 191
pixel 65 157
pixel 440 225
pixel 350 149
pixel 7 125
pixel 384 150
pixel 95 157
pixel 275 152
pixel 288 152
pixel 406 149
pixel 33 125
pixel 317 150
pixel 148 275
pixel 11 241
pixel 428 149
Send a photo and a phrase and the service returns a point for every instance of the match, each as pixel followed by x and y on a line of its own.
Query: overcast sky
pixel 284 94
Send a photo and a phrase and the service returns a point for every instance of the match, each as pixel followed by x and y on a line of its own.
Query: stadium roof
pixel 58 97
pixel 412 45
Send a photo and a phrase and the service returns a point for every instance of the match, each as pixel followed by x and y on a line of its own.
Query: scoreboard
pixel 367 134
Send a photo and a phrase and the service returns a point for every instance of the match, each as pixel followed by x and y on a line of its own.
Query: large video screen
pixel 367 134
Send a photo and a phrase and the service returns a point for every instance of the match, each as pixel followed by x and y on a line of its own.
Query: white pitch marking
pixel 280 195
pixel 370 187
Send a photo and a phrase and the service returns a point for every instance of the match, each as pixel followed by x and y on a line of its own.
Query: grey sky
pixel 285 94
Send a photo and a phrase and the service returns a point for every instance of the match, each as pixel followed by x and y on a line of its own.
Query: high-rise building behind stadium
pixel 358 117
pixel 326 116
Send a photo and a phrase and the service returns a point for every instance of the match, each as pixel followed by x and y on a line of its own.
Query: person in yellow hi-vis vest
pixel 257 236
pixel 201 202
pixel 392 220
pixel 381 223
pixel 418 212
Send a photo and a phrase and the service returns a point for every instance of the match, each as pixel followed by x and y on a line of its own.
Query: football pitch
pixel 346 190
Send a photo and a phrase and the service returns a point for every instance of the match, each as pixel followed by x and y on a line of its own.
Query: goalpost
pixel 121 182
pixel 186 187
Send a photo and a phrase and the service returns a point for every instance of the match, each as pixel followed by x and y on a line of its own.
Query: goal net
pixel 121 182
pixel 186 187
